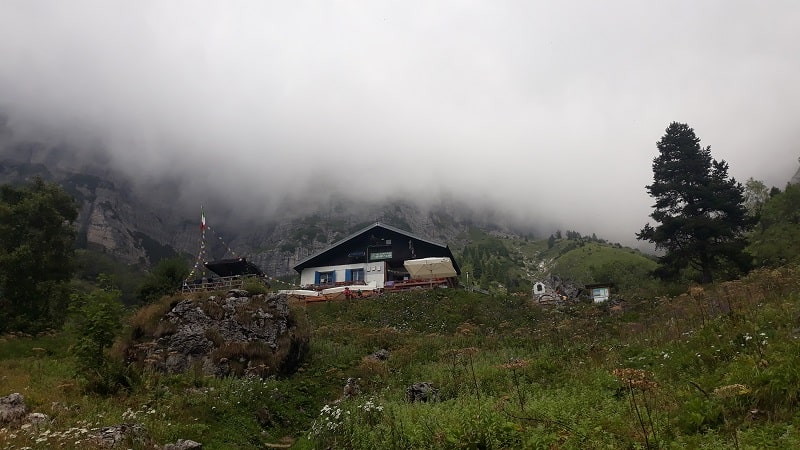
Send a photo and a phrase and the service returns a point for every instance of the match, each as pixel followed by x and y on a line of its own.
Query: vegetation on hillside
pixel 90 265
pixel 36 255
pixel 713 368
pixel 504 264
pixel 776 239
pixel 665 364
pixel 165 279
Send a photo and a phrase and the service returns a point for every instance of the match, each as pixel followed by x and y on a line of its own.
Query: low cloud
pixel 547 112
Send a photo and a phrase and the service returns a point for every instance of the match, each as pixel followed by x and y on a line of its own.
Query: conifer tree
pixel 37 242
pixel 699 209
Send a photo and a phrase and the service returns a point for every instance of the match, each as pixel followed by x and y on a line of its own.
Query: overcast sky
pixel 548 109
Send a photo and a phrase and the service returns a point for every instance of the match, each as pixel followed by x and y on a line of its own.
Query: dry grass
pixel 147 320
pixel 212 309
pixel 702 304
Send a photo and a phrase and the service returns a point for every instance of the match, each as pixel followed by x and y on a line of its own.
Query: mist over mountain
pixel 540 115
pixel 142 220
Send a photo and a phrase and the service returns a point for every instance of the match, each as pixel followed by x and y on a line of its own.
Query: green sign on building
pixel 380 255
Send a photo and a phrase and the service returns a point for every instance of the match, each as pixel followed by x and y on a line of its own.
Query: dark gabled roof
pixel 232 267
pixel 362 231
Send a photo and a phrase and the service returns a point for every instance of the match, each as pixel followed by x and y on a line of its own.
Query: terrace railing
pixel 218 283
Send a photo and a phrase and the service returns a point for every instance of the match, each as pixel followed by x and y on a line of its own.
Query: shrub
pixel 255 286
pixel 95 321
pixel 165 279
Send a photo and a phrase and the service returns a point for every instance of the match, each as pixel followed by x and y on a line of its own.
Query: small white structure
pixel 543 293
pixel 599 292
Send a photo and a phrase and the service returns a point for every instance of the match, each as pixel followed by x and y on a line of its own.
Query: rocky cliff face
pixel 142 226
pixel 112 218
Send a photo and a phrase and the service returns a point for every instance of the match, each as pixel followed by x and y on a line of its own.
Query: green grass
pixel 580 260
pixel 507 264
pixel 719 367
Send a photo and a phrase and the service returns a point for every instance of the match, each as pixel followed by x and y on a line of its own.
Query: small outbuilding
pixel 599 292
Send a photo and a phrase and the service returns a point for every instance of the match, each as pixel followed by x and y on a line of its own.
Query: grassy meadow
pixel 716 367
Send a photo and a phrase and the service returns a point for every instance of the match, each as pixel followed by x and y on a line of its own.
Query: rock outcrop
pixel 117 436
pixel 12 409
pixel 238 334
pixel 184 444
pixel 423 391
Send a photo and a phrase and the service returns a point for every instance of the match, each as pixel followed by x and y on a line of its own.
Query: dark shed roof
pixel 234 266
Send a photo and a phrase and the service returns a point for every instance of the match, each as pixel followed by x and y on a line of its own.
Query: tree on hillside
pixel 700 211
pixel 776 238
pixel 36 255
pixel 755 195
pixel 165 279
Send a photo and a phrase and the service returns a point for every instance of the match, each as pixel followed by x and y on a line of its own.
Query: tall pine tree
pixel 700 211
pixel 37 242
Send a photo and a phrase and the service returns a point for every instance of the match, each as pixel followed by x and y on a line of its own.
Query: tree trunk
pixel 705 263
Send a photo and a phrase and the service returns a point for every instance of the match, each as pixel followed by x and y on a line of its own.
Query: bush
pixel 95 321
pixel 255 286
pixel 166 278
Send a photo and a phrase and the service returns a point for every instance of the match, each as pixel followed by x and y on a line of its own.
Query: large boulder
pixel 238 334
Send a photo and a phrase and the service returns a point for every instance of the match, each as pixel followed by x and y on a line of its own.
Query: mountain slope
pixel 139 226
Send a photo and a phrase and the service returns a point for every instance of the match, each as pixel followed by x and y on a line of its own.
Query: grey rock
pixel 381 355
pixel 184 444
pixel 37 418
pixel 116 436
pixel 235 335
pixel 352 387
pixel 12 408
pixel 423 391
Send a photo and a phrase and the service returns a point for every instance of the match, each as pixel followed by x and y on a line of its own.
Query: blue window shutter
pixel 333 276
pixel 348 274
pixel 316 277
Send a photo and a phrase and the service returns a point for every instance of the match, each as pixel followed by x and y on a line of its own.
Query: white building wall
pixel 374 271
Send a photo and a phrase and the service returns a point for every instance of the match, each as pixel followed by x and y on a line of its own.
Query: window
pixel 357 275
pixel 327 277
